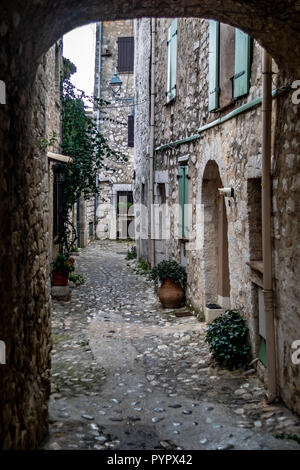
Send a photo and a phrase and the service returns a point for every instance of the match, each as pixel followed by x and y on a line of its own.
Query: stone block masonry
pixel 113 122
pixel 227 155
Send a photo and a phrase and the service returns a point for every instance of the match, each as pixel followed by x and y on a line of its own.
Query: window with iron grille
pixel 130 131
pixel 91 229
pixel 125 54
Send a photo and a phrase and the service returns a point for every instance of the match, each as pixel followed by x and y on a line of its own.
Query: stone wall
pixel 229 155
pixel 142 68
pixel 24 272
pixel 286 210
pixel 54 64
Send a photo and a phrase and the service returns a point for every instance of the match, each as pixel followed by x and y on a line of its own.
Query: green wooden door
pixel 184 200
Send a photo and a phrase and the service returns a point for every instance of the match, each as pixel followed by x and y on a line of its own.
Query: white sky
pixel 79 47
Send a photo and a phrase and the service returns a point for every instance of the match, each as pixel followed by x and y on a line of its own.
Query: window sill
pixel 235 103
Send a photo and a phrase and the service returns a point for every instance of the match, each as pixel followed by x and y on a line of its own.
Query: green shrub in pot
pixel 227 337
pixel 169 269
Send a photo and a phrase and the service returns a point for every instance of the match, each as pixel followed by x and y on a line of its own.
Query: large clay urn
pixel 171 294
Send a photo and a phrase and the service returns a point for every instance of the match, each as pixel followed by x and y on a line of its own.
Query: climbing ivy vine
pixel 87 147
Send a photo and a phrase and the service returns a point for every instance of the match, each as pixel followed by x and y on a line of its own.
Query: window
pixel 229 64
pixel 183 182
pixel 125 54
pixel 172 61
pixel 130 131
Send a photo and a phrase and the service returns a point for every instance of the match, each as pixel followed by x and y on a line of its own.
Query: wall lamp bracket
pixel 226 192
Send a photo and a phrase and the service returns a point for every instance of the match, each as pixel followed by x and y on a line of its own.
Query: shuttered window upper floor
pixel 126 54
pixel 229 64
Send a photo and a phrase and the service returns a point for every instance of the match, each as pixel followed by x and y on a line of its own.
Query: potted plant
pixel 227 337
pixel 61 268
pixel 173 279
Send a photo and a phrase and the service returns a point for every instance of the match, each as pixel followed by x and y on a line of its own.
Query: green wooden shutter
pixel 183 188
pixel 242 63
pixel 186 201
pixel 181 192
pixel 172 61
pixel 214 47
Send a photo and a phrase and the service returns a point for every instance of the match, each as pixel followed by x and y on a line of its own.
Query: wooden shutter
pixel 186 201
pixel 130 131
pixel 172 60
pixel 242 63
pixel 125 54
pixel 58 202
pixel 214 48
pixel 183 188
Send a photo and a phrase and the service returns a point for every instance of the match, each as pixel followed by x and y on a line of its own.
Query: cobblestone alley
pixel 127 374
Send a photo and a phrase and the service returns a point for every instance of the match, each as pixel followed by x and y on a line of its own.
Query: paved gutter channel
pixel 127 374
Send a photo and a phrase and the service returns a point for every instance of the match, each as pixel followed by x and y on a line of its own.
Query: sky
pixel 79 47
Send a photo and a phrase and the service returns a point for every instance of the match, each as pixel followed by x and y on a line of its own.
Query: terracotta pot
pixel 171 294
pixel 59 278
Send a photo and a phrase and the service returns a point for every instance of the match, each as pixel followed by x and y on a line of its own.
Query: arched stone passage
pixel 216 269
pixel 29 28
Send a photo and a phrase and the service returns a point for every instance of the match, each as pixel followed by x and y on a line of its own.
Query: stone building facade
pixel 115 117
pixel 199 150
pixel 54 67
pixel 27 32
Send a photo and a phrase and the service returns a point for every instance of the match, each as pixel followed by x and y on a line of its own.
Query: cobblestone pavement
pixel 127 374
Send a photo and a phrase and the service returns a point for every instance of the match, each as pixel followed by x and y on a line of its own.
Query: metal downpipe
pixel 152 135
pixel 267 227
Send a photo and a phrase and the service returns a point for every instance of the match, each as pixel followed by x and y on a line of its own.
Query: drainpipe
pixel 267 227
pixel 98 111
pixel 152 129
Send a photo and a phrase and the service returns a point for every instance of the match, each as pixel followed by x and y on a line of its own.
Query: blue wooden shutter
pixel 242 63
pixel 214 47
pixel 172 61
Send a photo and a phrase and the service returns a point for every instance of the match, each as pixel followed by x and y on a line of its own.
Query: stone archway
pixel 27 30
pixel 215 252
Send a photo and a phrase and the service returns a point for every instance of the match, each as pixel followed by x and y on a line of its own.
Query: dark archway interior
pixel 216 270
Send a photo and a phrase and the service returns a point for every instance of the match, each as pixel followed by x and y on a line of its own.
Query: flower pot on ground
pixel 59 278
pixel 173 278
pixel 61 268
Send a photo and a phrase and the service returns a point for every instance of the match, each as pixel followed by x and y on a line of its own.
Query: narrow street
pixel 127 374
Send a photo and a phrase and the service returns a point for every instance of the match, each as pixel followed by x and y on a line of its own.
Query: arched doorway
pixel 215 247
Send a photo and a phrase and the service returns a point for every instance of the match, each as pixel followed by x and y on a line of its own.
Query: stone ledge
pixel 212 313
pixel 61 293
